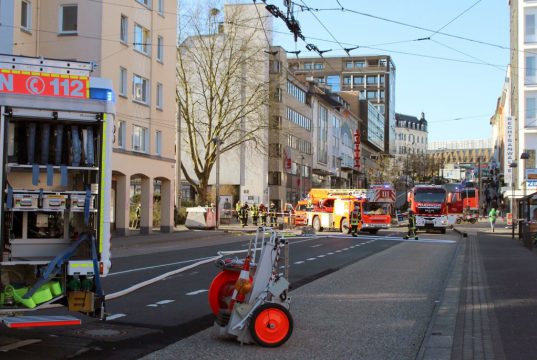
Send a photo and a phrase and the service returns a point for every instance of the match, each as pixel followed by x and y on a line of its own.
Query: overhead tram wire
pixel 464 38
pixel 455 18
pixel 373 47
pixel 470 56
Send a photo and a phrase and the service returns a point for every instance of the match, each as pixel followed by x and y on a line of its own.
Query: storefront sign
pixel 509 141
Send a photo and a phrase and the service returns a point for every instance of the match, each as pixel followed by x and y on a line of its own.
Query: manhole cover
pixel 100 333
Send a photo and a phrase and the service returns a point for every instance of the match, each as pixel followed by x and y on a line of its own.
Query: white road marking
pixel 197 292
pixel 321 256
pixel 311 259
pixel 338 251
pixel 158 266
pixel 152 305
pixel 115 316
pixel 18 344
pixel 299 262
pixel 330 253
pixel 163 302
pixel 314 246
pixel 345 249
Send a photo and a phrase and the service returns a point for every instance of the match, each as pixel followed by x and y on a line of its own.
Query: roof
pixel 410 119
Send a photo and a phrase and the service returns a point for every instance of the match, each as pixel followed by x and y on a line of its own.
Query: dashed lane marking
pixel 197 292
pixel 299 262
pixel 311 259
pixel 115 316
pixel 314 246
pixel 321 256
pixel 18 344
pixel 330 253
pixel 152 305
pixel 163 302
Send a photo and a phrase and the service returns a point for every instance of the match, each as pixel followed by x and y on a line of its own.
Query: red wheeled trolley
pixel 251 300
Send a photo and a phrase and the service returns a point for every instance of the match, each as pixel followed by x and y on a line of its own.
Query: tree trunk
pixel 203 191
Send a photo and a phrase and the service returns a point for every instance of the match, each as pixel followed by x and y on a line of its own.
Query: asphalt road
pixel 177 307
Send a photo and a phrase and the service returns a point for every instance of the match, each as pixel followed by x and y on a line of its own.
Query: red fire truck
pixel 429 204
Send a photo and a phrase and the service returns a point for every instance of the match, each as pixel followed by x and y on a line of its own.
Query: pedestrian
pixel 263 213
pixel 273 212
pixel 411 226
pixel 244 214
pixel 238 210
pixel 137 216
pixel 255 213
pixel 492 218
pixel 356 219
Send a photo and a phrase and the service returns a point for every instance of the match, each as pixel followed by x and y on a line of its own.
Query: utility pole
pixel 300 195
pixel 217 143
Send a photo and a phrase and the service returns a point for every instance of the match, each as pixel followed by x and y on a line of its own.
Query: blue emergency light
pixel 101 89
pixel 102 94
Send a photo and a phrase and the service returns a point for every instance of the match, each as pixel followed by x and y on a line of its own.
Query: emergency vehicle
pixel 332 208
pixel 57 128
pixel 463 203
pixel 429 204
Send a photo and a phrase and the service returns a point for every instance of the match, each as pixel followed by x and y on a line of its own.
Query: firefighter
pixel 356 219
pixel 244 214
pixel 411 226
pixel 255 213
pixel 272 214
pixel 238 210
pixel 263 213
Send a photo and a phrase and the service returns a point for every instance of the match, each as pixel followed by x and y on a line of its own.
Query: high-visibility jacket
pixel 355 217
pixel 255 211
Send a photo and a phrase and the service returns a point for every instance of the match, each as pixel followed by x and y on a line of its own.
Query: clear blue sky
pixel 444 90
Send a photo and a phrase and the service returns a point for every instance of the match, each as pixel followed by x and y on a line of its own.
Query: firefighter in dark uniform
pixel 411 225
pixel 244 214
pixel 356 219
pixel 263 212
pixel 272 214
pixel 255 213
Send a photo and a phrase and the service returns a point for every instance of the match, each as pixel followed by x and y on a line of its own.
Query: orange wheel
pixel 271 325
pixel 221 290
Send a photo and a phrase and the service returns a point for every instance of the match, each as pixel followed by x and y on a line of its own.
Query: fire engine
pixel 429 204
pixel 57 128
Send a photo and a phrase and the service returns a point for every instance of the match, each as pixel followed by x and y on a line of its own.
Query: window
pixel 296 92
pixel 371 94
pixel 319 80
pixel 145 2
pixel 333 82
pixel 298 119
pixel 160 7
pixel 530 70
pixel 141 38
pixel 68 19
pixel 275 178
pixel 322 136
pixel 122 81
pixel 362 94
pixel 529 26
pixel 359 64
pixel 381 79
pixel 346 80
pixel 124 30
pixel 380 108
pixel 348 65
pixel 121 134
pixel 159 96
pixel 381 94
pixel 383 62
pixel 531 109
pixel 140 139
pixel 319 66
pixel 158 142
pixel 140 87
pixel 160 48
pixel 308 66
pixel 372 79
pixel 278 95
pixel 26 15
pixel 358 80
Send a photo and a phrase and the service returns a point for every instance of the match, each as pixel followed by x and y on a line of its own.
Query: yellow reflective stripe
pixel 101 186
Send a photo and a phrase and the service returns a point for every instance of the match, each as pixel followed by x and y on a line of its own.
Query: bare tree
pixel 221 93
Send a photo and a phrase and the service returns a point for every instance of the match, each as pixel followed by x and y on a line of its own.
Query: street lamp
pixel 301 172
pixel 525 156
pixel 513 166
pixel 217 142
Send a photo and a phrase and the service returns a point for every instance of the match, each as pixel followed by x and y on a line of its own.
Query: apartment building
pixel 372 78
pixel 290 133
pixel 520 115
pixel 132 42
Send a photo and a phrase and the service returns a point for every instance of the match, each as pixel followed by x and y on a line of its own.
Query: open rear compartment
pixel 52 171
